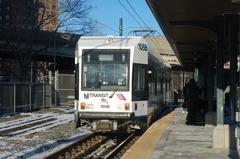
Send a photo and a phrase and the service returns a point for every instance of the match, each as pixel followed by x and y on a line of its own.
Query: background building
pixel 29 14
pixel 48 14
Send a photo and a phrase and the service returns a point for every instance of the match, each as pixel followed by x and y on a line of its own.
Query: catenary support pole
pixel 233 65
pixel 120 26
pixel 220 70
pixel 210 84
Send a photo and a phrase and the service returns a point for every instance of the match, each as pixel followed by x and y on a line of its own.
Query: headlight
pixel 120 106
pixel 89 106
pixel 83 106
pixel 127 106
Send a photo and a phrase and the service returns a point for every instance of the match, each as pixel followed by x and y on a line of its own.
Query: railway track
pixel 97 146
pixel 29 124
pixel 26 127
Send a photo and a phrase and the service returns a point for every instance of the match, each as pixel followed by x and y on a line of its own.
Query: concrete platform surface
pixel 170 138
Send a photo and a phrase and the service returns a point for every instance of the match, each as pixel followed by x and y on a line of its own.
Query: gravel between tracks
pixel 42 141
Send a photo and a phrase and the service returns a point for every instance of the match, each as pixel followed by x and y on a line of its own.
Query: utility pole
pixel 120 26
pixel 55 70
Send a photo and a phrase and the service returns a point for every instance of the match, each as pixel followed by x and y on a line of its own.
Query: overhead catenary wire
pixel 129 13
pixel 103 25
pixel 131 16
pixel 153 40
pixel 137 14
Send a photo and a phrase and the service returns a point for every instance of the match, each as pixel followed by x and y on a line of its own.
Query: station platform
pixel 170 138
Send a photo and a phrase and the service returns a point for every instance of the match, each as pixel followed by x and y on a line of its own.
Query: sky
pixel 136 15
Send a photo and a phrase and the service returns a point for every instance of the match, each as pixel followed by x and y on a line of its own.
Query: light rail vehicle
pixel 121 84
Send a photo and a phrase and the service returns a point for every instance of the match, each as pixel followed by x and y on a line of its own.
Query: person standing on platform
pixel 185 94
pixel 192 92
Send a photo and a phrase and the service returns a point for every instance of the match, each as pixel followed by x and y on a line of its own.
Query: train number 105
pixel 142 47
pixel 105 106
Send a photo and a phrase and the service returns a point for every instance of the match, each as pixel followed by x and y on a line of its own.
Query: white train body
pixel 120 84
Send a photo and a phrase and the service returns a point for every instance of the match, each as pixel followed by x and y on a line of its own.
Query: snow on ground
pixel 38 141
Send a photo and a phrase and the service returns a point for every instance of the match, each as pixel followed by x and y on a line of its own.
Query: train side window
pixel 139 78
pixel 140 83
pixel 159 86
pixel 163 82
pixel 151 80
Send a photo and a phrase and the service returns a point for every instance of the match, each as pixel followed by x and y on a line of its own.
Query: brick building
pixel 29 14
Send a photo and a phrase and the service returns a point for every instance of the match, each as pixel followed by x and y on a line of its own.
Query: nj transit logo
pixel 121 97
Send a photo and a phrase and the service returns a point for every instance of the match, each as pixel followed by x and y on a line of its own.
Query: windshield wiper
pixel 113 93
pixel 115 90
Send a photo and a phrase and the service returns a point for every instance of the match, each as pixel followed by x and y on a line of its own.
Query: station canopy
pixel 162 46
pixel 190 26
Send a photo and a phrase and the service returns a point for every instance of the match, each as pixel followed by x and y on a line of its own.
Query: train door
pixel 160 90
pixel 140 94
pixel 152 100
pixel 157 91
pixel 168 90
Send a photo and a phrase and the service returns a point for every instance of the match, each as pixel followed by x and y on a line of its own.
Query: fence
pixel 18 97
pixel 65 88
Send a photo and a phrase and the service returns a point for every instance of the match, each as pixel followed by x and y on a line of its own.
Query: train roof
pixel 101 41
pixel 118 41
pixel 159 58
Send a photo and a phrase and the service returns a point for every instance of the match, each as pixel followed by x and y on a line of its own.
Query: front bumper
pixel 105 115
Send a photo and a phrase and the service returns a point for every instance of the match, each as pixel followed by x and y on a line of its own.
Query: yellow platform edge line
pixel 146 144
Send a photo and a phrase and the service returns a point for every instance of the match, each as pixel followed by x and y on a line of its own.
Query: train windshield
pixel 105 69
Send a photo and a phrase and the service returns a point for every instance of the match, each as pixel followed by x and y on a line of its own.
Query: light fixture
pixel 194 56
pixel 235 1
pixel 109 39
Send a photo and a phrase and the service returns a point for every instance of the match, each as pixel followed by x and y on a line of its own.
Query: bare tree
pixel 76 20
pixel 29 20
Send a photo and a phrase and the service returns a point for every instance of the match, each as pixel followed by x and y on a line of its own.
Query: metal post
pixel 14 97
pixel 30 96
pixel 220 70
pixel 233 66
pixel 210 81
pixel 31 78
pixel 196 74
pixel 184 79
pixel 55 76
pixel 120 26
pixel 56 86
pixel 43 94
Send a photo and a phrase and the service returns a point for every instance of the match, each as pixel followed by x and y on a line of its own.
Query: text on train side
pixel 142 46
pixel 105 106
pixel 95 95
